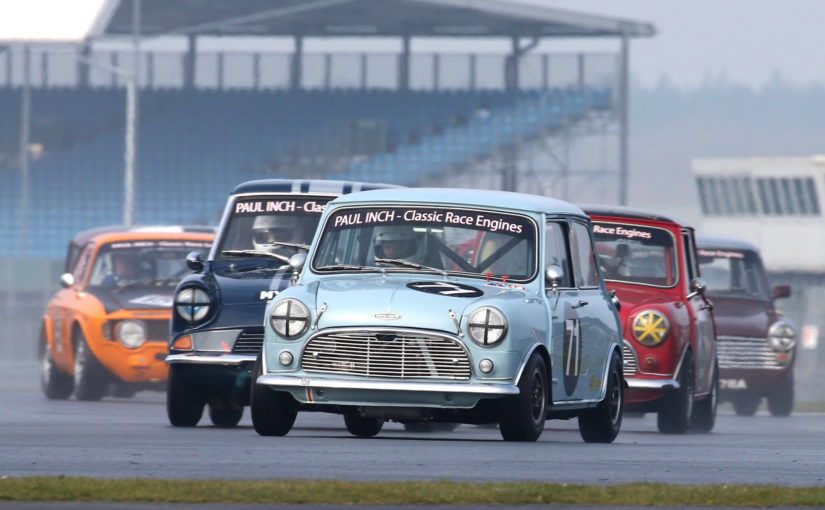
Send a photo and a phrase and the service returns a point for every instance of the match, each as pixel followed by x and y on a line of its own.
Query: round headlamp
pixel 487 326
pixel 781 336
pixel 289 318
pixel 650 327
pixel 192 304
pixel 131 334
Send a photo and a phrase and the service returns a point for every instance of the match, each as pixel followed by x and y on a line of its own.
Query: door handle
pixel 581 304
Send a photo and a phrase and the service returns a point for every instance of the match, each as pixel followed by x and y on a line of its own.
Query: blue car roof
pixel 724 242
pixel 305 186
pixel 465 197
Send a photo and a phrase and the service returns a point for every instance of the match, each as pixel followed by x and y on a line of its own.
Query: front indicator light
pixel 650 328
pixel 183 343
pixel 285 358
pixel 486 366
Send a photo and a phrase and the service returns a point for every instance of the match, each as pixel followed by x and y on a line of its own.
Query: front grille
pixel 629 362
pixel 157 330
pixel 745 352
pixel 249 341
pixel 387 354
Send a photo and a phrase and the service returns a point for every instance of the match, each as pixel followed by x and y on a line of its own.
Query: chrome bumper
pixel 652 384
pixel 210 359
pixel 286 381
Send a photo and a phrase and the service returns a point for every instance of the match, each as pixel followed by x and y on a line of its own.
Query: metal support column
pixel 404 64
pixel 25 123
pixel 130 154
pixel 190 59
pixel 623 97
pixel 297 63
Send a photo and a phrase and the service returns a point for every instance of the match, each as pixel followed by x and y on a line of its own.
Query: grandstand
pixel 208 120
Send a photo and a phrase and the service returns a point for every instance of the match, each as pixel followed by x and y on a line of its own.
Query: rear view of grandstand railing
pixel 195 144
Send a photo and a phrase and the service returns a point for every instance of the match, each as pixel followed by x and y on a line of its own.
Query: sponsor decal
pixel 258 206
pixel 446 289
pixel 572 351
pixel 595 383
pixel 423 216
pixel 388 316
pixel 622 231
pixel 721 254
pixel 266 295
pixel 733 384
pixel 159 300
pixel 160 244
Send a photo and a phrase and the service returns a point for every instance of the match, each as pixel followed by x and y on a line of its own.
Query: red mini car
pixel 669 352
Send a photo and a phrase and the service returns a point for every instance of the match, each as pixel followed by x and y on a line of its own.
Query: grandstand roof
pixel 444 18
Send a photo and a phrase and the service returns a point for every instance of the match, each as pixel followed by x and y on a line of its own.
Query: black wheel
pixel 224 413
pixel 522 416
pixel 704 412
pixel 780 400
pixel 359 426
pixel 90 378
pixel 746 404
pixel 602 424
pixel 430 426
pixel 184 402
pixel 273 412
pixel 677 408
pixel 55 384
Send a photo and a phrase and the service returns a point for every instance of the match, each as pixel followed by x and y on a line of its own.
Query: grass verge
pixel 442 492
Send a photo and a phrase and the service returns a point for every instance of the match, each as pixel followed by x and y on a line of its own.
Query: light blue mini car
pixel 444 305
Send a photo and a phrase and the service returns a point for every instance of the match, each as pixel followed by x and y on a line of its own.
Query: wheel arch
pixel 542 351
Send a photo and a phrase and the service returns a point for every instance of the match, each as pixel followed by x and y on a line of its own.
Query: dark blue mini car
pixel 216 330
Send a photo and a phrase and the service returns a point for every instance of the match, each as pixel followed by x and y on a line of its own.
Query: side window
pixel 690 256
pixel 556 250
pixel 583 257
pixel 83 263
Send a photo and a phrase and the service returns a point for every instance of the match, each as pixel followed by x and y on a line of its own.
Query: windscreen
pixel 733 273
pixel 475 243
pixel 636 254
pixel 150 263
pixel 269 227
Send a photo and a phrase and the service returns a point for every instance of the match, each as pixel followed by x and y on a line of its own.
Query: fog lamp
pixel 285 358
pixel 650 363
pixel 486 366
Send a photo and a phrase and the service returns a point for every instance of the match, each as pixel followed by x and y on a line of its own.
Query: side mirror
pixel 697 287
pixel 615 300
pixel 553 275
pixel 194 261
pixel 782 291
pixel 296 262
pixel 66 280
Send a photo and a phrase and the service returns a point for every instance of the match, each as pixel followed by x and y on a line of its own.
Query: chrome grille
pixel 745 352
pixel 249 341
pixel 386 354
pixel 629 362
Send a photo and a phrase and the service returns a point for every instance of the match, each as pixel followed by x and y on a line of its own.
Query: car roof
pixel 627 212
pixel 466 197
pixel 305 186
pixel 85 236
pixel 723 242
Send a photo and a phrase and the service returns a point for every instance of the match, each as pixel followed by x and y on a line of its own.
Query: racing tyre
pixel 602 424
pixel 677 409
pixel 745 404
pixel 224 413
pixel 55 385
pixel 522 416
pixel 273 412
pixel 780 400
pixel 184 402
pixel 704 413
pixel 90 378
pixel 359 426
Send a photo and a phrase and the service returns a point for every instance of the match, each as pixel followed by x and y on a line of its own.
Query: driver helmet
pixel 399 242
pixel 266 230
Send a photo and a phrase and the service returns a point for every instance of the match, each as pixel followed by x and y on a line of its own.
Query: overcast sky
pixel 742 41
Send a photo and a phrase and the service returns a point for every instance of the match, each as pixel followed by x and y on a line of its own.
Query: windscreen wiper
pixel 337 267
pixel 407 263
pixel 297 246
pixel 255 253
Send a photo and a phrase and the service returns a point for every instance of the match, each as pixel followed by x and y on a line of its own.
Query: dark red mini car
pixel 755 342
pixel 669 352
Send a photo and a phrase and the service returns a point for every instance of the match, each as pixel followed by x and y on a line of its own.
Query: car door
pixel 65 308
pixel 594 313
pixel 700 309
pixel 562 302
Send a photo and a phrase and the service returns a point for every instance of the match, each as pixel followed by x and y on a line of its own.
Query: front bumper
pixel 210 358
pixel 322 390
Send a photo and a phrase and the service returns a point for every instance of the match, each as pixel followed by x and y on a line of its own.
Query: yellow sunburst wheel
pixel 650 327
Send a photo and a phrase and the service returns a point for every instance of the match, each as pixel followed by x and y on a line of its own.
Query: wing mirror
pixel 296 262
pixel 553 275
pixel 615 300
pixel 194 261
pixel 697 287
pixel 782 291
pixel 66 280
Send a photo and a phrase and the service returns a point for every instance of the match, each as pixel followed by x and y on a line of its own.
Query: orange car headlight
pixel 650 327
